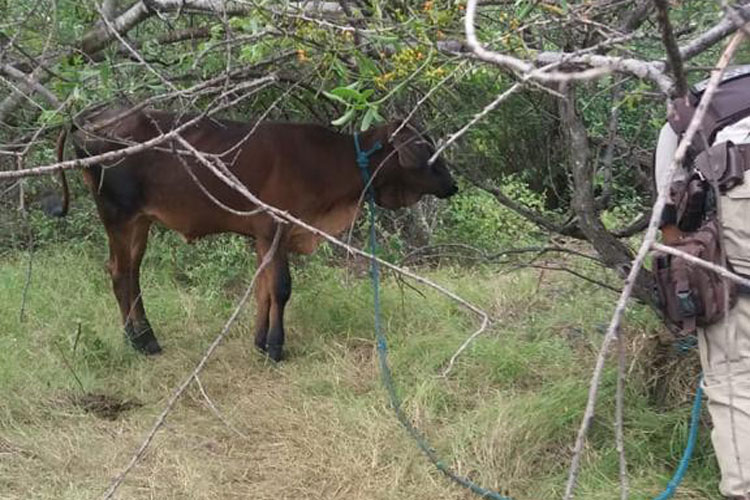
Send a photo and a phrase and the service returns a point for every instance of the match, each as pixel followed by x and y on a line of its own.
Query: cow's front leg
pixel 280 289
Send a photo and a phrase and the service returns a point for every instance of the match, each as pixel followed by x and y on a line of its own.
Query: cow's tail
pixel 63 208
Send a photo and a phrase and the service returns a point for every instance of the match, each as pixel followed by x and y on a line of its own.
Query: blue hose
pixel 689 447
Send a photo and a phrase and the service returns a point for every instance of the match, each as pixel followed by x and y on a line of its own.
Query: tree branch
pixel 670 44
pixel 722 29
pixel 30 82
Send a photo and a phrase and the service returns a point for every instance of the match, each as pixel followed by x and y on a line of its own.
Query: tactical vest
pixel 691 295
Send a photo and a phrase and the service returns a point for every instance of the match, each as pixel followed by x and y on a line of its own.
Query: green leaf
pixel 334 97
pixel 217 31
pixel 347 93
pixel 50 117
pixel 237 23
pixel 525 9
pixel 345 118
pixel 338 68
pixel 367 120
pixel 104 74
pixel 366 67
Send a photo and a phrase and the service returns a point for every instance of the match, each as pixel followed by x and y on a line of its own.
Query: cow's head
pixel 407 176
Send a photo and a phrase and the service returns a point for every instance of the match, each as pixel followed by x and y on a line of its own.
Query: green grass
pixel 318 425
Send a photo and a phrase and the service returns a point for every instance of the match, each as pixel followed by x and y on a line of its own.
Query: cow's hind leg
pixel 142 336
pixel 272 293
pixel 280 289
pixel 263 305
pixel 127 243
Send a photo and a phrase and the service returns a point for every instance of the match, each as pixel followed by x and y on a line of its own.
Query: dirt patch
pixel 104 406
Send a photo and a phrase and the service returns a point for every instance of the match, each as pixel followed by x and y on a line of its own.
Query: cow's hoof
pixel 275 352
pixel 143 340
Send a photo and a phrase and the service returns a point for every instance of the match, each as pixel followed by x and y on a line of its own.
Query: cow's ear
pixel 411 149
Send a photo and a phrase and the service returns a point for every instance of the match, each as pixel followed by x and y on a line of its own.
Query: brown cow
pixel 304 169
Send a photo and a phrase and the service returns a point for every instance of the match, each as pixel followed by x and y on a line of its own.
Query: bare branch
pixel 670 44
pixel 535 217
pixel 609 153
pixel 653 71
pixel 464 345
pixel 520 66
pixel 635 17
pixel 17 97
pixel 620 416
pixel 575 273
pixel 526 78
pixel 216 411
pixel 722 29
pixel 612 250
pixel 98 38
pixel 722 271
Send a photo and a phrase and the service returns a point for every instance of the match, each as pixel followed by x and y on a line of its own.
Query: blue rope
pixel 363 160
pixel 686 344
pixel 688 453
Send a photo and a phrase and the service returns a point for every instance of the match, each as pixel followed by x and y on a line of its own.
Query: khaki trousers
pixel 725 356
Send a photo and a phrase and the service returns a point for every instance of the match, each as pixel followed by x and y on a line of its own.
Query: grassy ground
pixel 316 426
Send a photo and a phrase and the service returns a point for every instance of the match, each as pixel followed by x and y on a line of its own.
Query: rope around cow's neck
pixel 363 160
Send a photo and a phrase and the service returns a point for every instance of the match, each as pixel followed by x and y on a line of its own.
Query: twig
pixel 27 283
pixel 478 116
pixel 216 411
pixel 728 25
pixel 527 77
pixel 541 250
pixel 426 97
pixel 69 367
pixel 619 415
pixel 29 242
pixel 574 273
pixel 30 82
pixel 609 152
pixel 527 69
pixel 721 271
pixel 78 336
pixel 231 180
pixel 673 51
pixel 465 344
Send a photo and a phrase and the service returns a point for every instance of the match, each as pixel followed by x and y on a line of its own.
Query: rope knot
pixel 363 157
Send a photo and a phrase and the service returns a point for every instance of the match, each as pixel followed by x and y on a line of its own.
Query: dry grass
pixel 295 443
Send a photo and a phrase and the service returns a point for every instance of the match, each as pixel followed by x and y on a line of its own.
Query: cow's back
pixel 290 166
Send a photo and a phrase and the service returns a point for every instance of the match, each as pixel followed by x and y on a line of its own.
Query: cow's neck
pixel 367 142
pixel 345 194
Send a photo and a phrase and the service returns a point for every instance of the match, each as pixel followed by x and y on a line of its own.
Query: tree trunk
pixel 612 251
